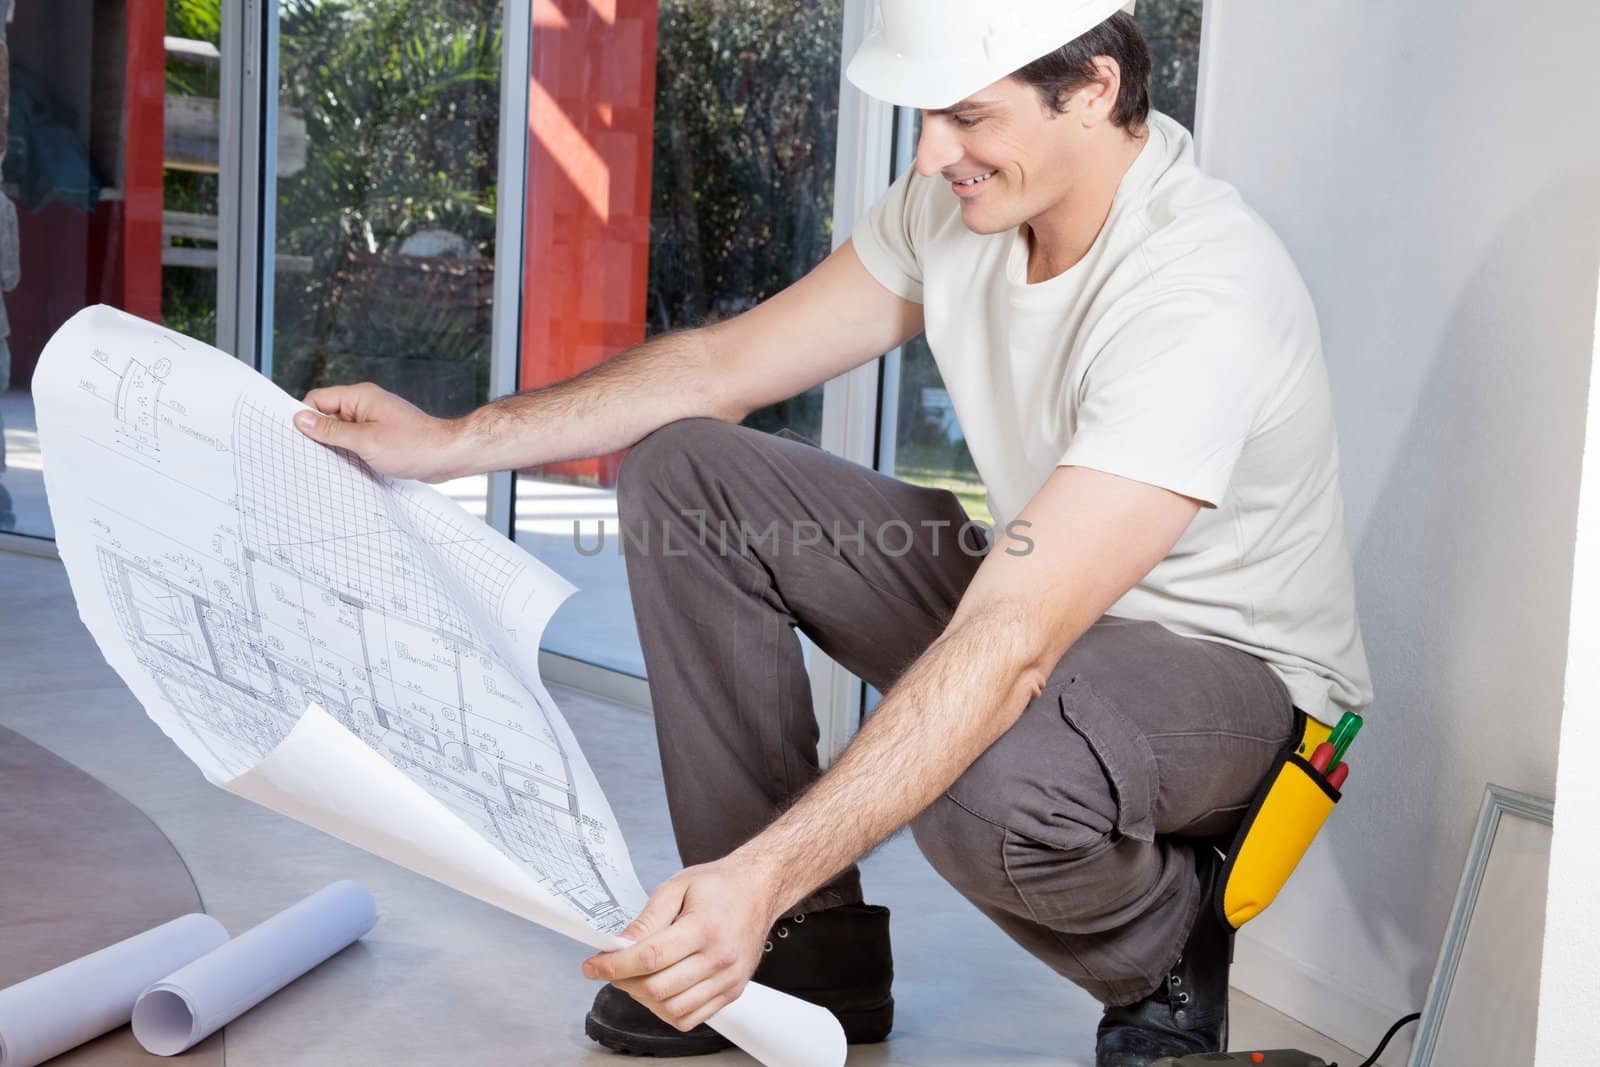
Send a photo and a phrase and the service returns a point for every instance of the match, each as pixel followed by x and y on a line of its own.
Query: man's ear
pixel 1098 99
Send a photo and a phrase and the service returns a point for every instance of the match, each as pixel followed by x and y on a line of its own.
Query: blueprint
pixel 354 651
pixel 251 572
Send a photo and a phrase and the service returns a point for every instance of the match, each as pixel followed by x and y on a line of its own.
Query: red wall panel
pixel 137 282
pixel 591 111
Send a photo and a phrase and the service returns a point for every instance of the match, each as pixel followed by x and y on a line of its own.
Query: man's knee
pixel 966 850
pixel 1037 796
pixel 966 840
pixel 1077 888
pixel 669 455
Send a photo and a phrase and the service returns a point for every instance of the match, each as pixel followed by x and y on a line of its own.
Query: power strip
pixel 1277 1057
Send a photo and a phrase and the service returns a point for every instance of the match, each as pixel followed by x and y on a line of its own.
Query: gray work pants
pixel 1069 831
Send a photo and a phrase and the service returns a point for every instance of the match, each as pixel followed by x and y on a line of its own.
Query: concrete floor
pixel 446 980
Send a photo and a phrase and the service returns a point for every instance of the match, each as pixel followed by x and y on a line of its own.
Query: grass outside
pixel 943 466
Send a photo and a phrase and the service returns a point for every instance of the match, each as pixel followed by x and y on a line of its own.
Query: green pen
pixel 1342 735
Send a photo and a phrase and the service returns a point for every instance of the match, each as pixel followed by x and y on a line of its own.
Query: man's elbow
pixel 1018 688
pixel 1035 653
pixel 1012 641
pixel 1029 683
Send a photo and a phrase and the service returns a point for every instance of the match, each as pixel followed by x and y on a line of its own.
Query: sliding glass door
pixel 385 210
pixel 681 170
pixel 113 162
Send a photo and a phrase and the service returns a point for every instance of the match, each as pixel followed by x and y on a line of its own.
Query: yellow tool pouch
pixel 1293 803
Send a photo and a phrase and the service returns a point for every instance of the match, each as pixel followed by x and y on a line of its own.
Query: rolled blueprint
pixel 189 1005
pixel 78 1001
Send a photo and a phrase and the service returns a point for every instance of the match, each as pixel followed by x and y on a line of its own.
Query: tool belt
pixel 1292 804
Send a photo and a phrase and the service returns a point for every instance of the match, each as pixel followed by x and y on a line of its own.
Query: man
pixel 1074 718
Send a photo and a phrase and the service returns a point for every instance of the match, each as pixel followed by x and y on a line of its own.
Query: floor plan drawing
pixel 251 573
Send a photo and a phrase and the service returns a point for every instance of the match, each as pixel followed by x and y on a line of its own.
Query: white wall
pixel 1571 981
pixel 1433 169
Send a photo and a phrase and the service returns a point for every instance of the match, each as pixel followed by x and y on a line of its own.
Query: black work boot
pixel 838 958
pixel 1188 1012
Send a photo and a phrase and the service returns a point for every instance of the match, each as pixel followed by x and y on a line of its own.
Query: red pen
pixel 1322 757
pixel 1337 776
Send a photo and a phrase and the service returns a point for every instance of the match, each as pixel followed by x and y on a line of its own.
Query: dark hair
pixel 1071 67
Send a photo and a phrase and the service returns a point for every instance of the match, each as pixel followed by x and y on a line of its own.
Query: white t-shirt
pixel 1182 351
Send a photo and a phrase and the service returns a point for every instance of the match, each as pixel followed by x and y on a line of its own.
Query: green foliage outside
pixel 400 100
pixel 189 294
pixel 747 105
pixel 194 20
pixel 1172 29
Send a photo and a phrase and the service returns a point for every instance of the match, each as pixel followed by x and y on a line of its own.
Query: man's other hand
pixel 696 943
pixel 392 435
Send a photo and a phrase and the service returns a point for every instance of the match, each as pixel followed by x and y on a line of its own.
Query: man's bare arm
pixel 1093 536
pixel 833 319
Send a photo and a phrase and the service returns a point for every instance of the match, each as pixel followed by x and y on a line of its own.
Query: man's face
pixel 1008 156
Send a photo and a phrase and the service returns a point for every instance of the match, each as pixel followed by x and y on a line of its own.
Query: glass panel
pixel 930 448
pixel 110 132
pixel 1172 29
pixel 747 111
pixel 921 442
pixel 739 126
pixel 189 193
pixel 388 131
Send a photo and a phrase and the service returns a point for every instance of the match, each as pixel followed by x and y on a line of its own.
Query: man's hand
pixel 394 436
pixel 697 942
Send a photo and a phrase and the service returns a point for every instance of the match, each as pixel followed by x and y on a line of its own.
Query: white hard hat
pixel 932 53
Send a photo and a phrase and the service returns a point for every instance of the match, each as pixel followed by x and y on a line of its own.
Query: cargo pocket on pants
pixel 1124 753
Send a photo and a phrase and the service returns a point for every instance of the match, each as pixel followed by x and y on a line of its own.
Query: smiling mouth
pixel 976 179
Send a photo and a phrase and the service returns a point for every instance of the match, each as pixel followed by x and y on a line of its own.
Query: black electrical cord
pixel 1370 1060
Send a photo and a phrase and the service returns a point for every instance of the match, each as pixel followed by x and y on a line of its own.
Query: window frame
pixel 852 414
